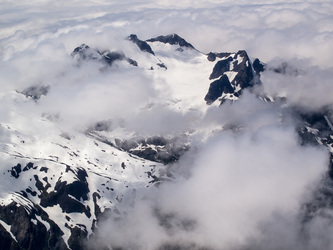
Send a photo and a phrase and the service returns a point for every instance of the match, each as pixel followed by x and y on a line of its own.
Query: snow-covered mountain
pixel 58 183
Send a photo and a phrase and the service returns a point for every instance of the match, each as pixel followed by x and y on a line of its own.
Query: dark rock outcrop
pixel 211 56
pixel 258 66
pixel 220 68
pixel 111 57
pixel 27 219
pixel 217 88
pixel 15 172
pixel 143 46
pixel 63 193
pixel 238 67
pixel 172 39
pixel 84 52
pixel 36 92
pixel 156 148
pixel 28 231
pixel 244 70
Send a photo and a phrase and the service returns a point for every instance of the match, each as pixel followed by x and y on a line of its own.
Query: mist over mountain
pixel 166 125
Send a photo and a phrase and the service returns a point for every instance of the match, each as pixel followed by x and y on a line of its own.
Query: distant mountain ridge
pixel 232 73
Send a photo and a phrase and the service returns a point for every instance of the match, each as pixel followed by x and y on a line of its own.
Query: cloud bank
pixel 240 188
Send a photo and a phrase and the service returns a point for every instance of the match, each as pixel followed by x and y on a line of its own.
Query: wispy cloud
pixel 238 189
pixel 227 192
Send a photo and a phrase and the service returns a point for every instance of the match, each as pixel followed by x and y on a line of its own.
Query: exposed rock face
pixel 231 74
pixel 31 225
pixel 37 217
pixel 36 92
pixel 63 193
pixel 30 233
pixel 143 46
pixel 84 52
pixel 212 56
pixel 235 73
pixel 220 68
pixel 217 88
pixel 258 66
pixel 242 66
pixel 172 39
pixel 157 149
pixel 316 129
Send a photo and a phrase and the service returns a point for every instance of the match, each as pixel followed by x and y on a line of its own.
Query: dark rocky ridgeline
pixel 172 39
pixel 111 57
pixel 36 92
pixel 244 70
pixel 247 74
pixel 28 231
pixel 27 218
pixel 220 68
pixel 156 148
pixel 62 196
pixel 283 68
pixel 258 66
pixel 217 88
pixel 63 193
pixel 153 148
pixel 212 56
pixel 315 128
pixel 143 46
pixel 84 52
pixel 239 64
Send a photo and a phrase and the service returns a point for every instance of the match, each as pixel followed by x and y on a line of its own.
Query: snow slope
pixel 58 182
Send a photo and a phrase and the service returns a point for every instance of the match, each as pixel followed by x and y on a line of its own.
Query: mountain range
pixel 57 185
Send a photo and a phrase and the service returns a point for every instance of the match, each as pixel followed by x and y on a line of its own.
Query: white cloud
pixel 233 188
pixel 303 85
pixel 235 183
